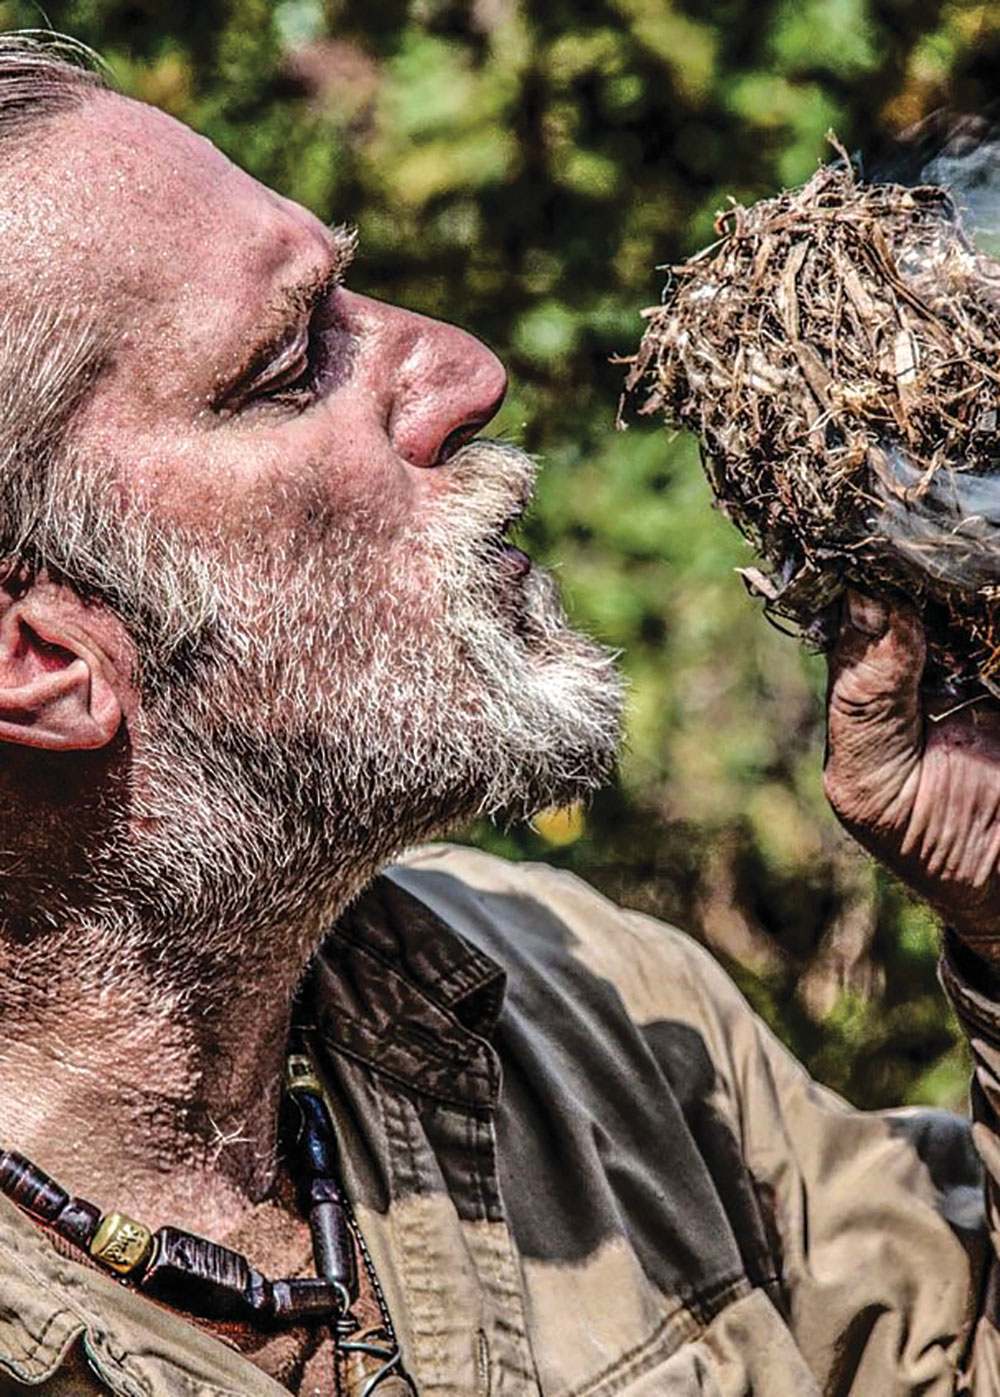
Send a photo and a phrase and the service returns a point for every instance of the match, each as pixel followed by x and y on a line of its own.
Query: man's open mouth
pixel 515 562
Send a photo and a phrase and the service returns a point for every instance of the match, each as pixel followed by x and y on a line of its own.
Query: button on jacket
pixel 583 1167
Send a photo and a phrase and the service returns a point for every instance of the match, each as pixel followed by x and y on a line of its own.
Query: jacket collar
pixel 397 988
pixel 393 986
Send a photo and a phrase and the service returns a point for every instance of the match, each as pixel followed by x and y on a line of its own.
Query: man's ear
pixel 65 678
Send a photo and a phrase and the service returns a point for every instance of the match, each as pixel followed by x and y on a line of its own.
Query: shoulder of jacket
pixel 659 969
pixel 476 876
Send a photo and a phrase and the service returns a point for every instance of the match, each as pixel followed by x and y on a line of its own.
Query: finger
pixel 875 719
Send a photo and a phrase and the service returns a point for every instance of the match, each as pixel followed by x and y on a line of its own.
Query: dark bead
pixel 259 1296
pixel 30 1187
pixel 333 1244
pixel 78 1222
pixel 313 1141
pixel 306 1299
pixel 202 1277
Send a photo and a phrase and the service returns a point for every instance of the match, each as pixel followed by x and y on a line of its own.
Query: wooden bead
pixel 306 1299
pixel 203 1277
pixel 42 1198
pixel 207 1279
pixel 312 1136
pixel 30 1187
pixel 333 1244
pixel 78 1222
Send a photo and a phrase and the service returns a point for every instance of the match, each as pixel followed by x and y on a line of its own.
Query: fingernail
pixel 866 614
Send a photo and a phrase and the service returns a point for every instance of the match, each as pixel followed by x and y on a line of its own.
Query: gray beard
pixel 310 711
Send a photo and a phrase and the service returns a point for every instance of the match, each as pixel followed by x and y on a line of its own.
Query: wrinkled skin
pixel 921 793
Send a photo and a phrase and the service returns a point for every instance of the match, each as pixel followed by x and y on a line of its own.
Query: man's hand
pixel 920 791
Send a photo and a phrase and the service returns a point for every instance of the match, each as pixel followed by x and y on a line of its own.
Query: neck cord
pixel 211 1281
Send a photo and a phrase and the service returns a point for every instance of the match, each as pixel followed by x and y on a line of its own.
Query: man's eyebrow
pixel 294 302
pixel 308 293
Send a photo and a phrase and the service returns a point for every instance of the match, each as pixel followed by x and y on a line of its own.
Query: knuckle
pixel 865 707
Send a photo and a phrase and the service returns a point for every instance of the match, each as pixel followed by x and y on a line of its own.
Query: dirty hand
pixel 922 795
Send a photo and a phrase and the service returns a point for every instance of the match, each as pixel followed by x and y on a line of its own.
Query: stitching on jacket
pixel 85 1323
pixel 408 1085
pixel 681 1325
pixel 677 1328
pixel 41 1345
pixel 445 1054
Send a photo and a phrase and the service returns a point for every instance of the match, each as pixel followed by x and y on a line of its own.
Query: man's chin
pixel 565 727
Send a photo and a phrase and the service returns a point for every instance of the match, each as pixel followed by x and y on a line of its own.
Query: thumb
pixel 875 719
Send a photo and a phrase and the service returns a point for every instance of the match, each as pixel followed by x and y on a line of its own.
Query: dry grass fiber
pixel 837 352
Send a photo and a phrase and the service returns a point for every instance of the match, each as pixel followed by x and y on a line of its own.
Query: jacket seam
pixel 453 1099
pixel 50 1350
pixel 453 1058
pixel 679 1326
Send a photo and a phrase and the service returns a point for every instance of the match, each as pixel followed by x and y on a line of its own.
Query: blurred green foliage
pixel 523 167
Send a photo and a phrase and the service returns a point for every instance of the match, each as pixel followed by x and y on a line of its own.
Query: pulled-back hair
pixel 60 514
pixel 43 74
pixel 49 353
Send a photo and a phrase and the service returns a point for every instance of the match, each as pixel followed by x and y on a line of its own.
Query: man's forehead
pixel 118 200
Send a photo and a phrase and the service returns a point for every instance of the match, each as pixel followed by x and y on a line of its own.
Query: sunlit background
pixel 524 168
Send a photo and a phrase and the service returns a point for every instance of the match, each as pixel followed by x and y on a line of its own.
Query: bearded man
pixel 260 630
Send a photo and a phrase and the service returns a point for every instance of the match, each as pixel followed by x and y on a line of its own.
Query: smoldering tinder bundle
pixel 838 354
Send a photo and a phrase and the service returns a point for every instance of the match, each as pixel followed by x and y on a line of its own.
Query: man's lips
pixel 516 564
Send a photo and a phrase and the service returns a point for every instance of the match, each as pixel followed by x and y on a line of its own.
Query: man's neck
pixel 161 1104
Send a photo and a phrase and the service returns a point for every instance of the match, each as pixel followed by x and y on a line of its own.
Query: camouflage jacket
pixel 584 1167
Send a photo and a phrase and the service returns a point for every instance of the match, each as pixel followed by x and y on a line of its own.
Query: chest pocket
pixel 747 1351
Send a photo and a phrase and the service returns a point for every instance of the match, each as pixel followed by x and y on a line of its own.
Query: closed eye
pixel 285 368
pixel 287 371
pixel 293 377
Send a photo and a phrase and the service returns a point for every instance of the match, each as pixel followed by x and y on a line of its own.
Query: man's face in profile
pixel 366 658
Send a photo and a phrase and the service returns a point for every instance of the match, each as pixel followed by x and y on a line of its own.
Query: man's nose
pixel 439 384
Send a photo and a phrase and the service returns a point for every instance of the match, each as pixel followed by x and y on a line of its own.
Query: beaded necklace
pixel 214 1282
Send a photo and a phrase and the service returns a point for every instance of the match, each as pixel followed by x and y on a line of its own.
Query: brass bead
pixel 300 1075
pixel 121 1243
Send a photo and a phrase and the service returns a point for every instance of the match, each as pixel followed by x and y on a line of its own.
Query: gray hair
pixel 43 74
pixel 59 514
pixel 50 355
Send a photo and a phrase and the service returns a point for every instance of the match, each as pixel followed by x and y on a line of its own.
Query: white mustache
pixel 492 481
